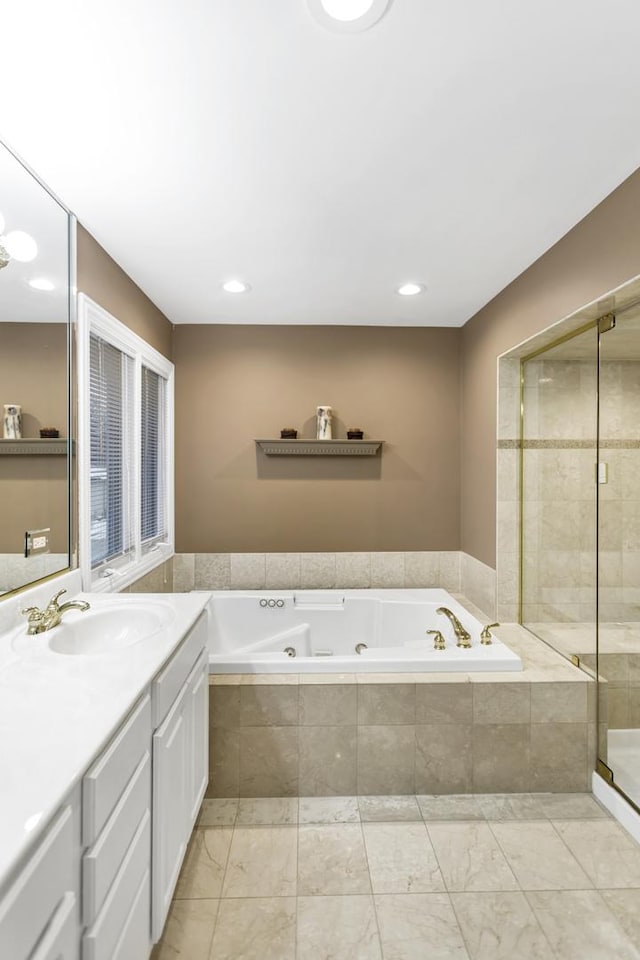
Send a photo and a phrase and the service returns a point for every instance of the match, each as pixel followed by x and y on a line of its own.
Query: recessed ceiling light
pixel 410 289
pixel 41 283
pixel 236 286
pixel 347 16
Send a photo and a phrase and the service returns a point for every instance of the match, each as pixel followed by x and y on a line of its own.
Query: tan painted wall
pixel 33 372
pixel 237 383
pixel 600 253
pixel 104 281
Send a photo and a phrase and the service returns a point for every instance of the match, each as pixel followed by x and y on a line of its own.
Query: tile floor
pixel 485 877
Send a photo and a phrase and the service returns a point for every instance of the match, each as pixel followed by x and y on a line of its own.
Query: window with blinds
pixel 126 460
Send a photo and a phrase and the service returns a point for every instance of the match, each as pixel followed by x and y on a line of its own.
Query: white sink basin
pixel 104 630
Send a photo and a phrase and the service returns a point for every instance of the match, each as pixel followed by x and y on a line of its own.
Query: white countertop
pixel 57 711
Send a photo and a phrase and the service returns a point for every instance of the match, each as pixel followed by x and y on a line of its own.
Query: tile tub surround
pixel 371 734
pixel 474 877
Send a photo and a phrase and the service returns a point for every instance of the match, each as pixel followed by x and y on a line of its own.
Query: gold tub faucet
pixel 463 637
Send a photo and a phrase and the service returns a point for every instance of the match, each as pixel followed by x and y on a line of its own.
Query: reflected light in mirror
pixel 20 246
pixel 41 283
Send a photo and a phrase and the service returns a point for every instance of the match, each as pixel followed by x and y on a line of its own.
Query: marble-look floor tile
pixel 268 810
pixel 262 863
pixel 329 810
pixel 459 806
pixel 572 806
pixel 500 926
pixel 401 858
pixel 337 928
pixel 605 851
pixel 256 929
pixel 511 806
pixel 470 857
pixel 579 925
pixel 188 931
pixel 389 808
pixel 204 864
pixel 332 860
pixel 419 926
pixel 218 813
pixel 538 857
pixel 625 906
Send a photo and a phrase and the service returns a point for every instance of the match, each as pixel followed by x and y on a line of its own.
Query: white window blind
pixel 153 466
pixel 125 415
pixel 111 404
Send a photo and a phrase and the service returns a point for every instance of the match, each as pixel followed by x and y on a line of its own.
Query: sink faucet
pixel 463 636
pixel 41 620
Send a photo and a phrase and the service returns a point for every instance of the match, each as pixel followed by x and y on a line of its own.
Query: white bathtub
pixel 317 631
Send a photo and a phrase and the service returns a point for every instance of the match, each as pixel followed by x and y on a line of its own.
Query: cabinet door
pixel 198 686
pixel 170 824
pixel 61 941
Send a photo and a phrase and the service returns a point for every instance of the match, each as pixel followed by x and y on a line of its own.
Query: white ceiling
pixel 452 143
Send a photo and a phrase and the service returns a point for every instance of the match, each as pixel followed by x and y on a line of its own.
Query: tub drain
pixel 290 651
pixel 360 647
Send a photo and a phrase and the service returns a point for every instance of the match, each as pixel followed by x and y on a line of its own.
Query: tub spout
pixel 463 637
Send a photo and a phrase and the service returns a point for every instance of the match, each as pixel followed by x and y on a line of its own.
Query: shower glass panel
pixel 619 551
pixel 558 534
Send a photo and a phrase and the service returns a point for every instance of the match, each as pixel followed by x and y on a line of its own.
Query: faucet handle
pixel 33 613
pixel 53 603
pixel 485 636
pixel 438 640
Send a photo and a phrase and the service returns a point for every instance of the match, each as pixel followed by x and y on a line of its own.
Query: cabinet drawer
pixel 32 901
pixel 100 940
pixel 103 785
pixel 135 940
pixel 166 686
pixel 101 863
pixel 62 939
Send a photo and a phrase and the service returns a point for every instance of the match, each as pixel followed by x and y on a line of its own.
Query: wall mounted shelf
pixel 315 448
pixel 58 447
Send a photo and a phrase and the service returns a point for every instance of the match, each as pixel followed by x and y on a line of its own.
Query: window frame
pixel 115 575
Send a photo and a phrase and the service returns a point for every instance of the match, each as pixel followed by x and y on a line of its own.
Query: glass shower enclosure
pixel 580 520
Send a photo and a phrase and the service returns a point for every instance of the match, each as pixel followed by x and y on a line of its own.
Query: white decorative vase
pixel 323 415
pixel 12 421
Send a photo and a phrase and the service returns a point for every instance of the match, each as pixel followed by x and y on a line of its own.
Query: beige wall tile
pixel 317 571
pixel 386 758
pixel 328 704
pixel 184 572
pixel 268 762
pixel 444 703
pixel 444 758
pixel 559 702
pixel 212 571
pixel 386 703
pixel 353 570
pixel 224 706
pixel 269 705
pixel 501 758
pixel 247 571
pixel 559 757
pixel 387 570
pixel 422 569
pixel 450 570
pixel 282 571
pixel 501 703
pixel 224 763
pixel 327 761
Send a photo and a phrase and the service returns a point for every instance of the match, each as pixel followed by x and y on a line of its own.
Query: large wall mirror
pixel 36 298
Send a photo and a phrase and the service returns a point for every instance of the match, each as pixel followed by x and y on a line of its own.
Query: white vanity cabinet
pixel 180 764
pixel 40 912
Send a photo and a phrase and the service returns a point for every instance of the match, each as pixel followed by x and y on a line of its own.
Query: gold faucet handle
pixel 53 603
pixel 33 613
pixel 438 640
pixel 485 636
